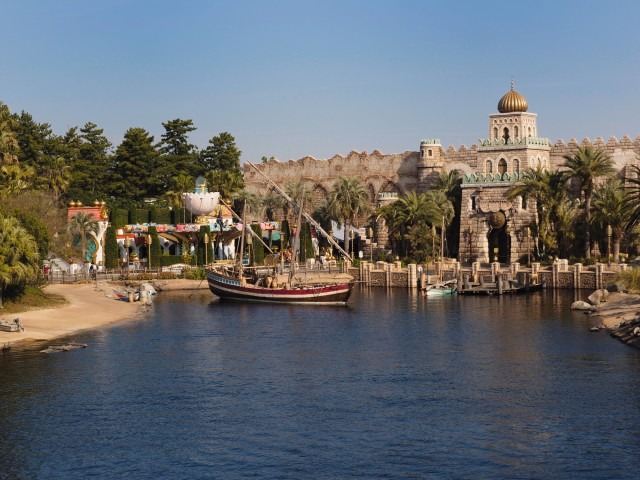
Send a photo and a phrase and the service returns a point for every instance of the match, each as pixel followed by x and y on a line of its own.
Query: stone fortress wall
pixel 398 173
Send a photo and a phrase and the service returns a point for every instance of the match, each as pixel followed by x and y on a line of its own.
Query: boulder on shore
pixel 598 297
pixel 616 287
pixel 580 305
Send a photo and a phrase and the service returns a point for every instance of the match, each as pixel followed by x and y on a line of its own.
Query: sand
pixel 90 306
pixel 618 308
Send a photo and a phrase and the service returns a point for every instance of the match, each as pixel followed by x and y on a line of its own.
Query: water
pixel 394 386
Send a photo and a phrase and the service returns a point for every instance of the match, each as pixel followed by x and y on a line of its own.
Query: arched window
pixel 502 166
pixel 495 132
pixel 505 135
pixel 489 167
pixel 515 131
pixel 516 166
pixel 529 134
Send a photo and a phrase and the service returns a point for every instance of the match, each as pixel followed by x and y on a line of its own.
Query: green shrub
pixel 168 260
pixel 630 278
pixel 119 217
pixel 194 273
pixel 163 216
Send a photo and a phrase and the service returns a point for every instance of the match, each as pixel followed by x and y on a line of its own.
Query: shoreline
pixel 618 308
pixel 90 306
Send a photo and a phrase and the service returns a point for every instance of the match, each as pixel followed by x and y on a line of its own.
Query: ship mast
pixel 307 217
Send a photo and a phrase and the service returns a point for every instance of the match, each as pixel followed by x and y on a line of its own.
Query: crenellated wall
pixel 400 173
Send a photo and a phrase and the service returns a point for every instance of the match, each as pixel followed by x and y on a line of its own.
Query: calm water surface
pixel 394 386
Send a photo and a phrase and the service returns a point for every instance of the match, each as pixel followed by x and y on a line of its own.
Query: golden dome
pixel 512 102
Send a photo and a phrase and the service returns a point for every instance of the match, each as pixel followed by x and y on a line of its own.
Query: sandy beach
pixel 89 307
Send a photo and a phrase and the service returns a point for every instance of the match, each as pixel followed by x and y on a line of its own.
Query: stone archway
pixel 498 238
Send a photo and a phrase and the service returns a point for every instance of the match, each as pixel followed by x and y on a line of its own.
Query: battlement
pixel 500 143
pixel 492 178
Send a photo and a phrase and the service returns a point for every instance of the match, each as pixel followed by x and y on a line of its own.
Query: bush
pixel 119 217
pixel 630 278
pixel 163 216
pixel 139 215
pixel 168 260
pixel 194 274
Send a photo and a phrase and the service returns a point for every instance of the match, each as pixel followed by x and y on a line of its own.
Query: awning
pixel 170 237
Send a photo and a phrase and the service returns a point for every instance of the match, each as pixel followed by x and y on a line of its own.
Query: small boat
pixel 440 289
pixel 14 326
pixel 124 295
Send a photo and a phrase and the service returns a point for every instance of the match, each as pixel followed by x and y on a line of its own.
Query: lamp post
pixel 127 243
pixel 609 233
pixel 206 249
pixel 149 241
pixel 528 232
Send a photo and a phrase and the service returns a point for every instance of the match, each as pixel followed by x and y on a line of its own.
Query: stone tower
pixel 430 164
pixel 494 228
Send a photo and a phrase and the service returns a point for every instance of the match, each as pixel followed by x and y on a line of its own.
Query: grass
pixel 33 298
pixel 631 279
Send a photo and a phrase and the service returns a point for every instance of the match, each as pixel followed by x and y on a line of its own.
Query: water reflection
pixel 397 384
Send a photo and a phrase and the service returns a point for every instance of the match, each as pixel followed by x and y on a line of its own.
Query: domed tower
pixel 492 224
pixel 512 121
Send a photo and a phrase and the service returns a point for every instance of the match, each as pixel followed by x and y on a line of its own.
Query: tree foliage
pixel 134 164
pixel 18 254
pixel 586 165
pixel 221 154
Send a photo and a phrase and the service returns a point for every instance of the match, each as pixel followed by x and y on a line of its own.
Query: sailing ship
pixel 273 285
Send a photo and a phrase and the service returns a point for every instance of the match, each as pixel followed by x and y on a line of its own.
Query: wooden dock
pixel 497 287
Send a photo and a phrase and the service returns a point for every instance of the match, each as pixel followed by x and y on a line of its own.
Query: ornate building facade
pixel 492 228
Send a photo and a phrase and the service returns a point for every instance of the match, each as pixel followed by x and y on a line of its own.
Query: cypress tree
pixel 156 248
pixel 306 243
pixel 111 250
pixel 258 248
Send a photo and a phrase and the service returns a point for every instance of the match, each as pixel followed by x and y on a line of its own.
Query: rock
pixel 580 305
pixel 616 287
pixel 594 329
pixel 598 297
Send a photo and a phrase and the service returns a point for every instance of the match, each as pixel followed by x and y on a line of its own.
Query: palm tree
pixel 18 254
pixel 15 178
pixel 587 165
pixel 400 216
pixel 270 203
pixel 450 183
pixel 227 182
pixel 298 192
pixel 412 218
pixel 633 199
pixel 82 224
pixel 547 190
pixel 56 175
pixel 348 199
pixel 610 209
pixel 182 184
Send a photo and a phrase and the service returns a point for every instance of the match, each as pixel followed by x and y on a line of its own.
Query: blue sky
pixel 289 78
